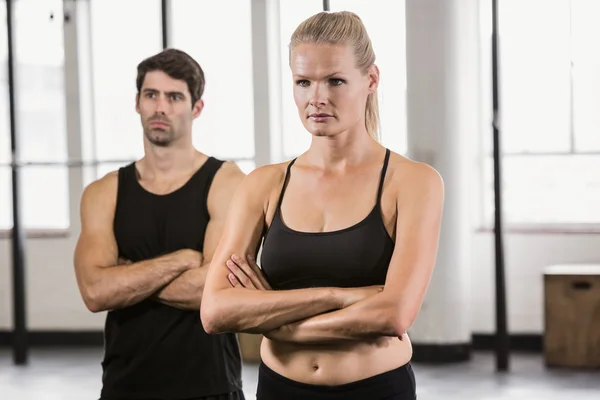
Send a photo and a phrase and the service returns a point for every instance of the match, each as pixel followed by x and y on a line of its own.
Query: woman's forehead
pixel 311 58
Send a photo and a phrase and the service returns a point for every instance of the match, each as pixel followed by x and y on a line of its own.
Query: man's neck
pixel 165 162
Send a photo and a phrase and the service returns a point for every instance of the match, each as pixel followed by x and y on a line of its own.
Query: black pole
pixel 502 340
pixel 326 5
pixel 164 14
pixel 20 347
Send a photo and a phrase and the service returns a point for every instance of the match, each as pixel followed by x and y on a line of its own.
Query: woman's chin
pixel 322 132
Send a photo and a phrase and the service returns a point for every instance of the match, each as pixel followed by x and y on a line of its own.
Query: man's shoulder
pixel 106 183
pixel 231 167
pixel 101 191
pixel 229 174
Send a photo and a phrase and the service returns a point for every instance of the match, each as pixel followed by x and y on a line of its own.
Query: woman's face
pixel 329 90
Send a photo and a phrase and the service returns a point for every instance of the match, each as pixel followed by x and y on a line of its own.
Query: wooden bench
pixel 572 315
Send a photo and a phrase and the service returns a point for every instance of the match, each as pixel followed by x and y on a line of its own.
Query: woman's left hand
pixel 245 273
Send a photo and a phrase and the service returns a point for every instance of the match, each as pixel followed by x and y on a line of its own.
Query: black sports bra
pixel 351 257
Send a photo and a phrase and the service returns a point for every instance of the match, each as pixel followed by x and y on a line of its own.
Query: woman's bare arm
pixel 234 309
pixel 391 312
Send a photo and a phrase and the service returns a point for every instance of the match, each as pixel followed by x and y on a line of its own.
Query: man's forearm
pixel 125 285
pixel 185 291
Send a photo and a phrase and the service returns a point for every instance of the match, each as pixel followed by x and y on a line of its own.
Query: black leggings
pixel 398 384
pixel 239 395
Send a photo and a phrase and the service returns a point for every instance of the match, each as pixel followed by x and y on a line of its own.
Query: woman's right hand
pixel 350 296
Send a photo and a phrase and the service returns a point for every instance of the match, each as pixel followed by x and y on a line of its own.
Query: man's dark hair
pixel 178 65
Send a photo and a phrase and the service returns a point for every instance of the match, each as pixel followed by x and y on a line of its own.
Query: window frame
pixel 82 160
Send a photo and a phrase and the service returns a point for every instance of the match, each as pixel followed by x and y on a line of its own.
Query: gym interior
pixel 500 96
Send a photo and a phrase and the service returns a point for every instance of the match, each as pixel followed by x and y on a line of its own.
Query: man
pixel 148 233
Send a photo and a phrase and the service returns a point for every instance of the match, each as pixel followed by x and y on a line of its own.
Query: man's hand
pixel 188 257
pixel 123 261
pixel 246 273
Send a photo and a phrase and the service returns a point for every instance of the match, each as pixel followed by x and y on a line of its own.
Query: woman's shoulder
pixel 269 173
pixel 407 173
pixel 266 178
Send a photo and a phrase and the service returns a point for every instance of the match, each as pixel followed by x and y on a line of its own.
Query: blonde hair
pixel 343 28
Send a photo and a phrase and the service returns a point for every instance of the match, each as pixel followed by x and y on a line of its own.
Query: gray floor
pixel 74 374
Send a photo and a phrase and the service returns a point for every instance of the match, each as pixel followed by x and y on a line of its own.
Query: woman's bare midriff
pixel 335 364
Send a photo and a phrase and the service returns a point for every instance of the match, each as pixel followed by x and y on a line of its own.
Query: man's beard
pixel 159 137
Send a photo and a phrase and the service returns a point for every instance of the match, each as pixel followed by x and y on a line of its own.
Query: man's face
pixel 165 108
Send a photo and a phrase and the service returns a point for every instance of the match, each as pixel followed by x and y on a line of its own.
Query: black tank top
pixel 351 257
pixel 153 351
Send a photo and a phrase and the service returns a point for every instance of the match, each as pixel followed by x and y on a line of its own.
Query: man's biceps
pixel 93 260
pixel 97 251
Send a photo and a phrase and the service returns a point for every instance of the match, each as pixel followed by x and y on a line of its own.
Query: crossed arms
pixel 321 315
pixel 176 279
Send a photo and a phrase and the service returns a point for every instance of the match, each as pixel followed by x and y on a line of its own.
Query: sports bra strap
pixel 383 171
pixel 285 182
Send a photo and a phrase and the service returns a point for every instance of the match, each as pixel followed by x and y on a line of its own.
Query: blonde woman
pixel 349 232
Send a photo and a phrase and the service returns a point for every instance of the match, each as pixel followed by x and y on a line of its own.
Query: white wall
pixel 525 256
pixel 53 301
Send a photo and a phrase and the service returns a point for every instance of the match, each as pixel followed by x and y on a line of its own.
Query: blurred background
pixel 74 120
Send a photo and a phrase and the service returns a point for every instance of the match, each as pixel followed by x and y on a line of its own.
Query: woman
pixel 347 287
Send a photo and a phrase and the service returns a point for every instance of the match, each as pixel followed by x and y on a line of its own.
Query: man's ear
pixel 197 109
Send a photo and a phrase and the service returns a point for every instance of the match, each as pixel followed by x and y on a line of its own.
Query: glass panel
pixel 586 62
pixel 104 168
pixel 387 33
pixel 569 194
pixel 116 51
pixel 40 87
pixel 44 199
pixel 41 115
pixel 4 106
pixel 225 128
pixel 535 75
pixel 6 219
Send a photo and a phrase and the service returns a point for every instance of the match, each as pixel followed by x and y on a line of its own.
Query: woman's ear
pixel 373 75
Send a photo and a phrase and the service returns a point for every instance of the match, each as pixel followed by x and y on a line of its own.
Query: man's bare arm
pixel 185 292
pixel 102 284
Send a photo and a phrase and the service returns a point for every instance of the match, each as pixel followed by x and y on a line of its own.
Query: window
pixel 41 112
pixel 225 128
pixel 549 101
pixel 387 33
pixel 5 188
pixel 123 33
pixel 118 137
pixel 586 74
